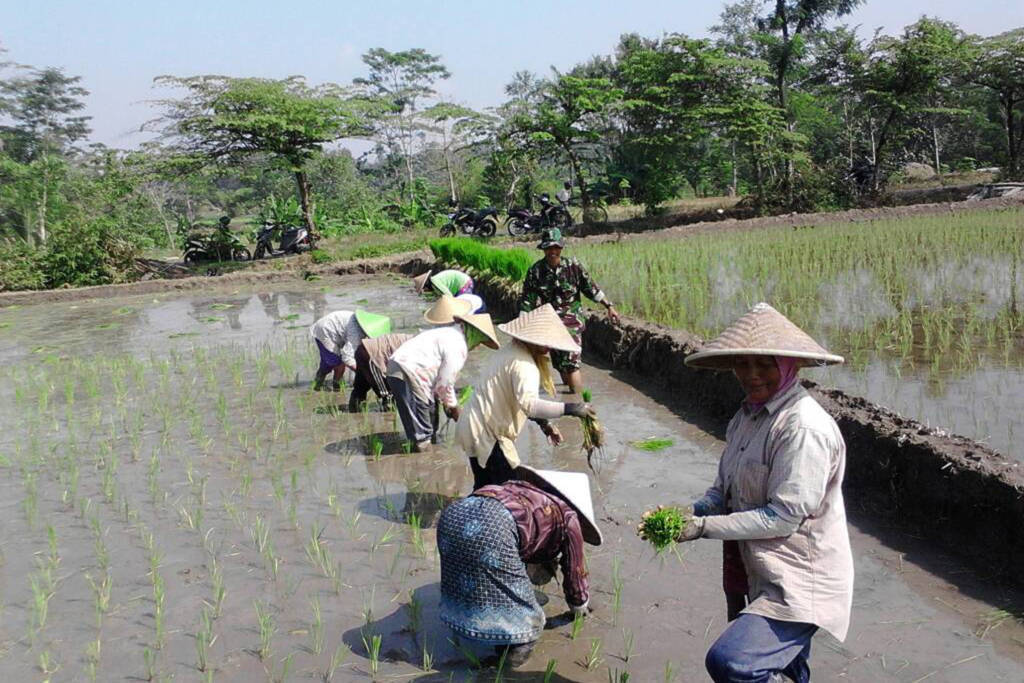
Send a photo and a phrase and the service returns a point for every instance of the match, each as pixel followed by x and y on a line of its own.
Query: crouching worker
pixel 337 336
pixel 422 372
pixel 371 369
pixel 452 282
pixel 508 394
pixel 486 541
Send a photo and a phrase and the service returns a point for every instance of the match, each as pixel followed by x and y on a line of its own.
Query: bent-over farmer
pixel 422 372
pixel 451 281
pixel 541 518
pixel 561 282
pixel 778 496
pixel 508 393
pixel 337 336
pixel 371 369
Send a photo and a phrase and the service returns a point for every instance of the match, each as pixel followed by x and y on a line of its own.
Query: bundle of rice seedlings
pixel 593 433
pixel 661 527
pixel 652 445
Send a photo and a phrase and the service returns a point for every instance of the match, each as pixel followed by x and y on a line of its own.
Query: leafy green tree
pixel 459 129
pixel 399 82
pixel 223 120
pixel 997 64
pixel 567 119
pixel 901 80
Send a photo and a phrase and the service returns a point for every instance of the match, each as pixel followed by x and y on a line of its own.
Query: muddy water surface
pixel 191 449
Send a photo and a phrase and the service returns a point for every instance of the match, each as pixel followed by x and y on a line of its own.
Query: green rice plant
pixel 415 609
pixel 617 676
pixel 509 263
pixel 670 671
pixel 92 657
pixel 577 626
pixel 652 444
pixel 316 627
pixel 426 657
pixel 204 640
pixel 594 655
pixel 219 591
pixel 372 646
pixel 260 534
pixel 267 629
pixel 368 605
pixel 159 614
pixel 662 526
pixel 627 644
pixel 149 662
pixel 549 670
pixel 101 591
pixel 617 584
pixel 42 592
pixel 286 667
pixel 47 664
pixel 416 534
pixel 337 659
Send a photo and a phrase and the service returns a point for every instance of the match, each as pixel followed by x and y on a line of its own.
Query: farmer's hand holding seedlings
pixel 664 526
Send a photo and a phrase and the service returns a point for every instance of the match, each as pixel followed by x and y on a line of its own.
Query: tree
pixel 398 81
pixel 459 128
pixel 997 64
pixel 568 118
pixel 902 79
pixel 224 119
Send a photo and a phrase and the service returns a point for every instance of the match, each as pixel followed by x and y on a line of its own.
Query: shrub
pixel 21 266
pixel 510 263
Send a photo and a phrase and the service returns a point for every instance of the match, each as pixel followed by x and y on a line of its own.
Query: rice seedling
pixel 593 658
pixel 577 626
pixel 617 676
pixel 159 614
pixel 204 639
pixel 316 627
pixel 627 644
pixel 372 646
pixel 101 591
pixel 267 629
pixel 549 670
pixel 652 444
pixel 661 527
pixel 219 591
pixel 92 657
pixel 47 664
pixel 286 667
pixel 42 591
pixel 617 584
pixel 426 657
pixel 149 662
pixel 337 659
pixel 593 433
pixel 670 672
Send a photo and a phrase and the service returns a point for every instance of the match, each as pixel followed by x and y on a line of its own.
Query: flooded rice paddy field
pixel 179 504
pixel 926 310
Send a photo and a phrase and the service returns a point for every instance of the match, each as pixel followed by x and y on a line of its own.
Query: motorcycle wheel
pixel 561 218
pixel 260 251
pixel 193 256
pixel 487 228
pixel 447 230
pixel 595 214
pixel 240 254
pixel 516 227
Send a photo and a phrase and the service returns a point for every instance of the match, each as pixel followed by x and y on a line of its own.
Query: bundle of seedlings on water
pixel 652 444
pixel 661 527
pixel 593 433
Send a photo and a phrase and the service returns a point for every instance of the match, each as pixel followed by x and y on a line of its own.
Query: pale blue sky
pixel 118 46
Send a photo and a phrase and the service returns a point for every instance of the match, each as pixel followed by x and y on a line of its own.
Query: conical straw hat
pixel 541 327
pixel 420 281
pixel 373 324
pixel 482 322
pixel 573 488
pixel 445 309
pixel 761 332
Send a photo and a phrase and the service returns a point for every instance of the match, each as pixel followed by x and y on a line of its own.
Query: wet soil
pixel 224 410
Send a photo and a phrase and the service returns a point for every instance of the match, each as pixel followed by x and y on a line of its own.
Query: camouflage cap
pixel 552 237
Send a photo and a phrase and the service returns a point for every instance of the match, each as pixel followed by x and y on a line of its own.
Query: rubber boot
pixel 318 381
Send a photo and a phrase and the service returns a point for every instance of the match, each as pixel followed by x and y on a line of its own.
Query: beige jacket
pixel 501 404
pixel 788 460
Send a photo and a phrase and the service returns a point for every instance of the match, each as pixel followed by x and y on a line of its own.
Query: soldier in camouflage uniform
pixel 560 282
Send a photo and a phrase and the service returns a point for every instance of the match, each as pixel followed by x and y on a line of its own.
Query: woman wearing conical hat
pixel 499 541
pixel 422 372
pixel 508 393
pixel 450 281
pixel 778 496
pixel 337 336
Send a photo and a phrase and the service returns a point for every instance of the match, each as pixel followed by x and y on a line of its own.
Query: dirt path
pixel 285 456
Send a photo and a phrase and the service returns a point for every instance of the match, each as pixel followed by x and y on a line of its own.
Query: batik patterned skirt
pixel 485 592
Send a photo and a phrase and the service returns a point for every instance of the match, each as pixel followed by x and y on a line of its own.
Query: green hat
pixel 552 237
pixel 373 324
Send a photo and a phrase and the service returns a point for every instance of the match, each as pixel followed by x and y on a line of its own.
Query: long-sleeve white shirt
pixel 431 361
pixel 340 333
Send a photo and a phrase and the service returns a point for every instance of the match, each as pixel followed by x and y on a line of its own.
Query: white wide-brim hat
pixel 541 327
pixel 762 331
pixel 483 323
pixel 445 309
pixel 573 488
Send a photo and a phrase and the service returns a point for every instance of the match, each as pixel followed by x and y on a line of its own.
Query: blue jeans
pixel 755 647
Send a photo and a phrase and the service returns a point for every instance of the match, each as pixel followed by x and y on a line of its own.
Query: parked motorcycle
pixel 524 221
pixel 291 240
pixel 473 222
pixel 222 245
